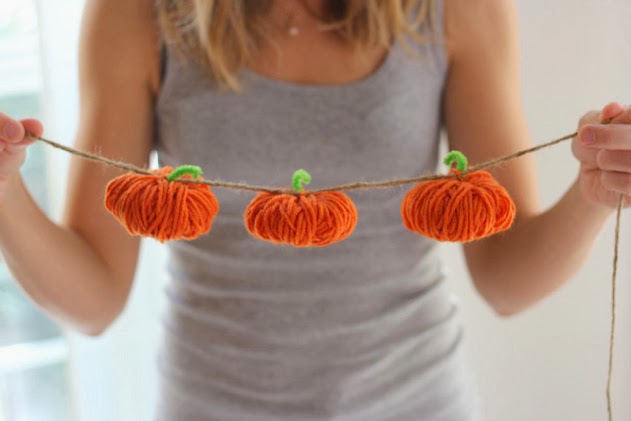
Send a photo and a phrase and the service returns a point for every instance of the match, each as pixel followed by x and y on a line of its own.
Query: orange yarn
pixel 469 208
pixel 304 220
pixel 151 205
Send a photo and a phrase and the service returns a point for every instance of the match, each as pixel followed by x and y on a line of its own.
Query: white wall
pixel 547 364
pixel 550 363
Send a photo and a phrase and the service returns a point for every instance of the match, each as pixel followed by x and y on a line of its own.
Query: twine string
pixel 92 156
pixel 612 333
pixel 351 186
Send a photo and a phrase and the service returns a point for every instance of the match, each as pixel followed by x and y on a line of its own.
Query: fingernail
pixel 11 131
pixel 588 137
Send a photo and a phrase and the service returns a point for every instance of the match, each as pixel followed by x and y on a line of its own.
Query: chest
pixel 317 60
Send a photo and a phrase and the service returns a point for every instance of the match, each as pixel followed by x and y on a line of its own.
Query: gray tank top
pixel 364 329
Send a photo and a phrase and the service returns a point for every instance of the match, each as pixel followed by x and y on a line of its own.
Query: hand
pixel 604 152
pixel 13 145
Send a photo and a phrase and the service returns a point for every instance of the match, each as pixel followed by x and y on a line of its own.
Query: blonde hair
pixel 224 35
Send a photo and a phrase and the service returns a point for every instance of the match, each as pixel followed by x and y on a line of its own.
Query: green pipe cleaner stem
pixel 459 158
pixel 300 176
pixel 192 170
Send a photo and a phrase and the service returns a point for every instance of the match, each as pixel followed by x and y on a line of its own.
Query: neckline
pixel 379 73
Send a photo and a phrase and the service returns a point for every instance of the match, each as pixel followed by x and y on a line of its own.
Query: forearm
pixel 537 256
pixel 55 266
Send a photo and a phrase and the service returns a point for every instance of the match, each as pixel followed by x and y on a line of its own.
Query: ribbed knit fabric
pixel 364 329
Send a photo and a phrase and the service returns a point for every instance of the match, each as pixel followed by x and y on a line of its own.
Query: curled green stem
pixel 300 176
pixel 459 158
pixel 191 170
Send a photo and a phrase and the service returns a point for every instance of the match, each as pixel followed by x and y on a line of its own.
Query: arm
pixel 485 120
pixel 80 271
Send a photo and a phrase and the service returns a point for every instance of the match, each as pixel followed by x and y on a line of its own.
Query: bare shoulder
pixel 479 27
pixel 122 37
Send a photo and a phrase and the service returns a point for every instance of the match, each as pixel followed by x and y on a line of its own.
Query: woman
pixel 360 330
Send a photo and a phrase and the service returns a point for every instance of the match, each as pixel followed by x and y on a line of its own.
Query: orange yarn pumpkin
pixel 468 208
pixel 157 206
pixel 304 220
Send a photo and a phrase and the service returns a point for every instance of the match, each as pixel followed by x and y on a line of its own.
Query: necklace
pixel 292 29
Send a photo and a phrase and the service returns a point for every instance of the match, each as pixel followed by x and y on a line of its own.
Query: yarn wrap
pixel 302 220
pixel 460 209
pixel 151 205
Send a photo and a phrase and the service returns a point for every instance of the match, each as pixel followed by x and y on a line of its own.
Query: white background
pixel 547 364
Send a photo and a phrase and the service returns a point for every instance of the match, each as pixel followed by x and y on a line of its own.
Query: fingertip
pixel 611 110
pixel 33 126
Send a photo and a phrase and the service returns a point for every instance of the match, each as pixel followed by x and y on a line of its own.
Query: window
pixel 33 368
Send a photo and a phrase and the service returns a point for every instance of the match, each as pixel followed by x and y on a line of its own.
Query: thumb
pixel 32 127
pixel 611 111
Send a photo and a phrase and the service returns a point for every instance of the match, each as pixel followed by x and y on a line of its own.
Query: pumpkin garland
pixel 463 208
pixel 301 219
